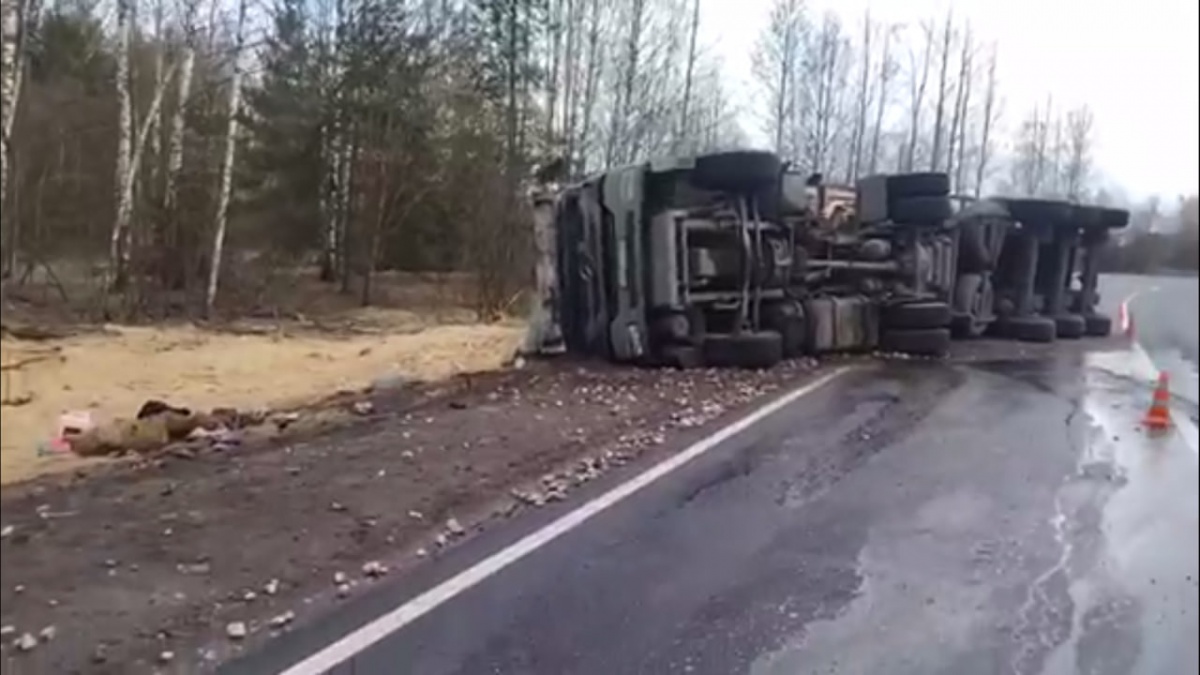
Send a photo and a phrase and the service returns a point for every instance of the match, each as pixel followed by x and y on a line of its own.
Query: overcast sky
pixel 1134 62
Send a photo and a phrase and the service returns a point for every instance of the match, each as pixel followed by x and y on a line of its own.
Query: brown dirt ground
pixel 129 560
pixel 111 373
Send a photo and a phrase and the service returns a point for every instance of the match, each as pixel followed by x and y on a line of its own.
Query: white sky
pixel 1135 62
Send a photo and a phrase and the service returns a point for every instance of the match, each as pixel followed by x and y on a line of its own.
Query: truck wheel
pixel 1097 325
pixel 1030 329
pixel 917 315
pixel 1039 211
pixel 671 327
pixel 1113 219
pixel 1070 326
pixel 683 357
pixel 787 318
pixel 921 210
pixel 739 171
pixel 924 184
pixel 922 341
pixel 761 349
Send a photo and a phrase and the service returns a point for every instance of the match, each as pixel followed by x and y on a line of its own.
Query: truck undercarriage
pixel 733 259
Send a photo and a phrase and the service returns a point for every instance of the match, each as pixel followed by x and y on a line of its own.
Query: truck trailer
pixel 737 259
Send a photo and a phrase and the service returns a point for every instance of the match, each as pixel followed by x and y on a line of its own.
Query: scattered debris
pixel 454 527
pixel 337 506
pixel 416 515
pixel 26 642
pixel 47 634
pixel 271 587
pixel 343 590
pixel 100 653
pixel 374 569
pixel 281 620
pixel 166 657
pixel 339 578
pixel 5 631
pixel 236 630
pixel 249 596
pixel 363 407
pixel 6 531
pixel 194 569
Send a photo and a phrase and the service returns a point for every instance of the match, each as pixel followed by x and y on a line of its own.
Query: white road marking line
pixel 356 642
pixel 1145 367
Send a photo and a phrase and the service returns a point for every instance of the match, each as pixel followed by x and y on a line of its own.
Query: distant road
pixel 1166 316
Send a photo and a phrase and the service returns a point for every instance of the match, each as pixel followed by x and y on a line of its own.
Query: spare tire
pixel 1029 328
pixel 761 349
pixel 916 315
pixel 924 184
pixel 921 210
pixel 922 342
pixel 741 171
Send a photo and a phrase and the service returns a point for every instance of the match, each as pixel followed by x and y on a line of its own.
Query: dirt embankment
pixel 110 373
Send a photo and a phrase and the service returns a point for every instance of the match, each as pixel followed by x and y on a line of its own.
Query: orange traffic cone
pixel 1158 418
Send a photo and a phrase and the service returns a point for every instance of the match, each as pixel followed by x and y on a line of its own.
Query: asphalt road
pixel 1004 517
pixel 1166 321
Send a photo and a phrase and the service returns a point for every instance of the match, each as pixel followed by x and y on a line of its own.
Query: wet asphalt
pixel 1001 517
pixel 1164 313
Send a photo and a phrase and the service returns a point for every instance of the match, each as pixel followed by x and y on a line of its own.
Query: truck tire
pixel 1039 211
pixel 917 315
pixel 761 349
pixel 1113 219
pixel 922 341
pixel 923 184
pixel 1097 325
pixel 787 318
pixel 1029 329
pixel 921 210
pixel 975 304
pixel 683 357
pixel 1070 326
pixel 739 171
pixel 671 327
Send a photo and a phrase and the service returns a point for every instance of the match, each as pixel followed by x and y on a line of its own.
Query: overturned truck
pixel 734 259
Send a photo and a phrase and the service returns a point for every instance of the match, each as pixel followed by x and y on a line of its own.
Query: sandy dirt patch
pixel 114 372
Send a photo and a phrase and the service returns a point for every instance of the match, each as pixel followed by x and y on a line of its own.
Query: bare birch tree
pixel 991 107
pixel 776 62
pixel 962 106
pixel 1077 168
pixel 943 92
pixel 11 63
pixel 862 101
pixel 221 217
pixel 886 72
pixel 920 59
pixel 118 251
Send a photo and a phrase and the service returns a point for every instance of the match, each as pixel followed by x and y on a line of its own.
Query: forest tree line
pixel 169 150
